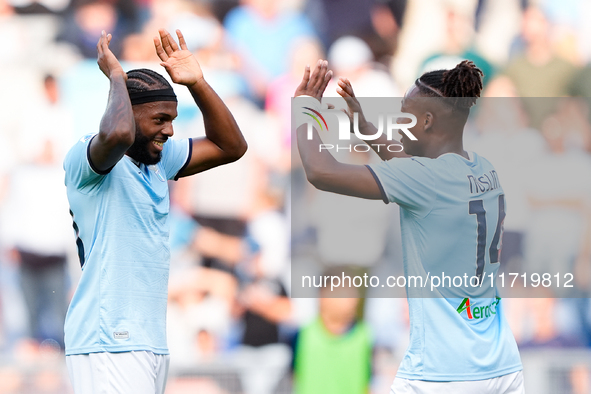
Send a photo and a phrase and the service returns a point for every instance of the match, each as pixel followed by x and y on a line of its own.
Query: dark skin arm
pixel 117 129
pixel 223 142
pixel 322 170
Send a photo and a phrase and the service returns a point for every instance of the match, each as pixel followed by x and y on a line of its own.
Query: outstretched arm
pixel 223 142
pixel 117 129
pixel 322 169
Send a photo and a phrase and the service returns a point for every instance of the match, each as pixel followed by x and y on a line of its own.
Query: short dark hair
pixel 143 79
pixel 462 84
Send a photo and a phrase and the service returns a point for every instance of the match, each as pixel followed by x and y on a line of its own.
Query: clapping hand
pixel 106 60
pixel 180 63
pixel 346 91
pixel 315 84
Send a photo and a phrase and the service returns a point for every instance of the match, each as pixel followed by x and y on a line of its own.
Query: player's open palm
pixel 179 62
pixel 106 60
pixel 346 91
pixel 314 84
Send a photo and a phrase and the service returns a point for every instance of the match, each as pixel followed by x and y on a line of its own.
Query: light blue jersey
pixel 120 219
pixel 451 214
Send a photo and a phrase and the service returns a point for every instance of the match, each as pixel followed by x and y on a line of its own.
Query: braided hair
pixel 462 84
pixel 143 79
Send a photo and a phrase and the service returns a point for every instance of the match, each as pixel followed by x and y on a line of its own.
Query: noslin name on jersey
pixel 478 312
pixel 484 183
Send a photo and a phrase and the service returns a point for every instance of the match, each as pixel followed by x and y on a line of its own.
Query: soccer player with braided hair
pixel 452 209
pixel 117 186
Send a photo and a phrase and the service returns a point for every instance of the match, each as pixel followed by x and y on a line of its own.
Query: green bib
pixel 329 364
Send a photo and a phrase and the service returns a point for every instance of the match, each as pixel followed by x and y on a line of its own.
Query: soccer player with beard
pixel 115 330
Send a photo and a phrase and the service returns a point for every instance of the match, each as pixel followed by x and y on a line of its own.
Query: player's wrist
pixel 305 100
pixel 365 127
pixel 118 74
pixel 197 84
pixel 305 108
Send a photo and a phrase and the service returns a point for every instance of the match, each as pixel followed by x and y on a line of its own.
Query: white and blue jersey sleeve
pixel 176 156
pixel 408 182
pixel 80 172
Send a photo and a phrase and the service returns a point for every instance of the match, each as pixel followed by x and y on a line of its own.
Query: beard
pixel 139 150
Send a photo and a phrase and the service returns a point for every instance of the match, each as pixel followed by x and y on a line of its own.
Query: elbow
pixel 124 135
pixel 316 179
pixel 312 178
pixel 237 152
pixel 243 147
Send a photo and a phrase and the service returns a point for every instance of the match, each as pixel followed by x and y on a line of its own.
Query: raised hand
pixel 346 91
pixel 180 63
pixel 315 84
pixel 107 61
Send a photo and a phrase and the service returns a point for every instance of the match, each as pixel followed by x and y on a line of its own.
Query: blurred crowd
pixel 232 325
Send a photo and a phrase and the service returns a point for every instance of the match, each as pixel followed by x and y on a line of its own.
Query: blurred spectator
pixel 199 315
pixel 194 17
pixel 580 377
pixel 263 303
pixel 351 57
pixel 11 380
pixel 458 45
pixel 333 353
pixel 541 322
pixel 496 24
pixel 537 61
pixel 388 321
pixel 559 203
pixel 387 17
pixel 6 9
pixel 87 18
pixel 278 101
pixel 570 28
pixel 51 124
pixel 263 359
pixel 264 59
pixel 423 33
pixel 334 19
pixel 481 8
pixel 39 7
pixel 581 87
pixel 138 48
pixel 43 236
pixel 378 22
pixel 191 385
pixel 223 206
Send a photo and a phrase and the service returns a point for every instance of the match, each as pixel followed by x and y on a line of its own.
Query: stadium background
pixel 230 233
